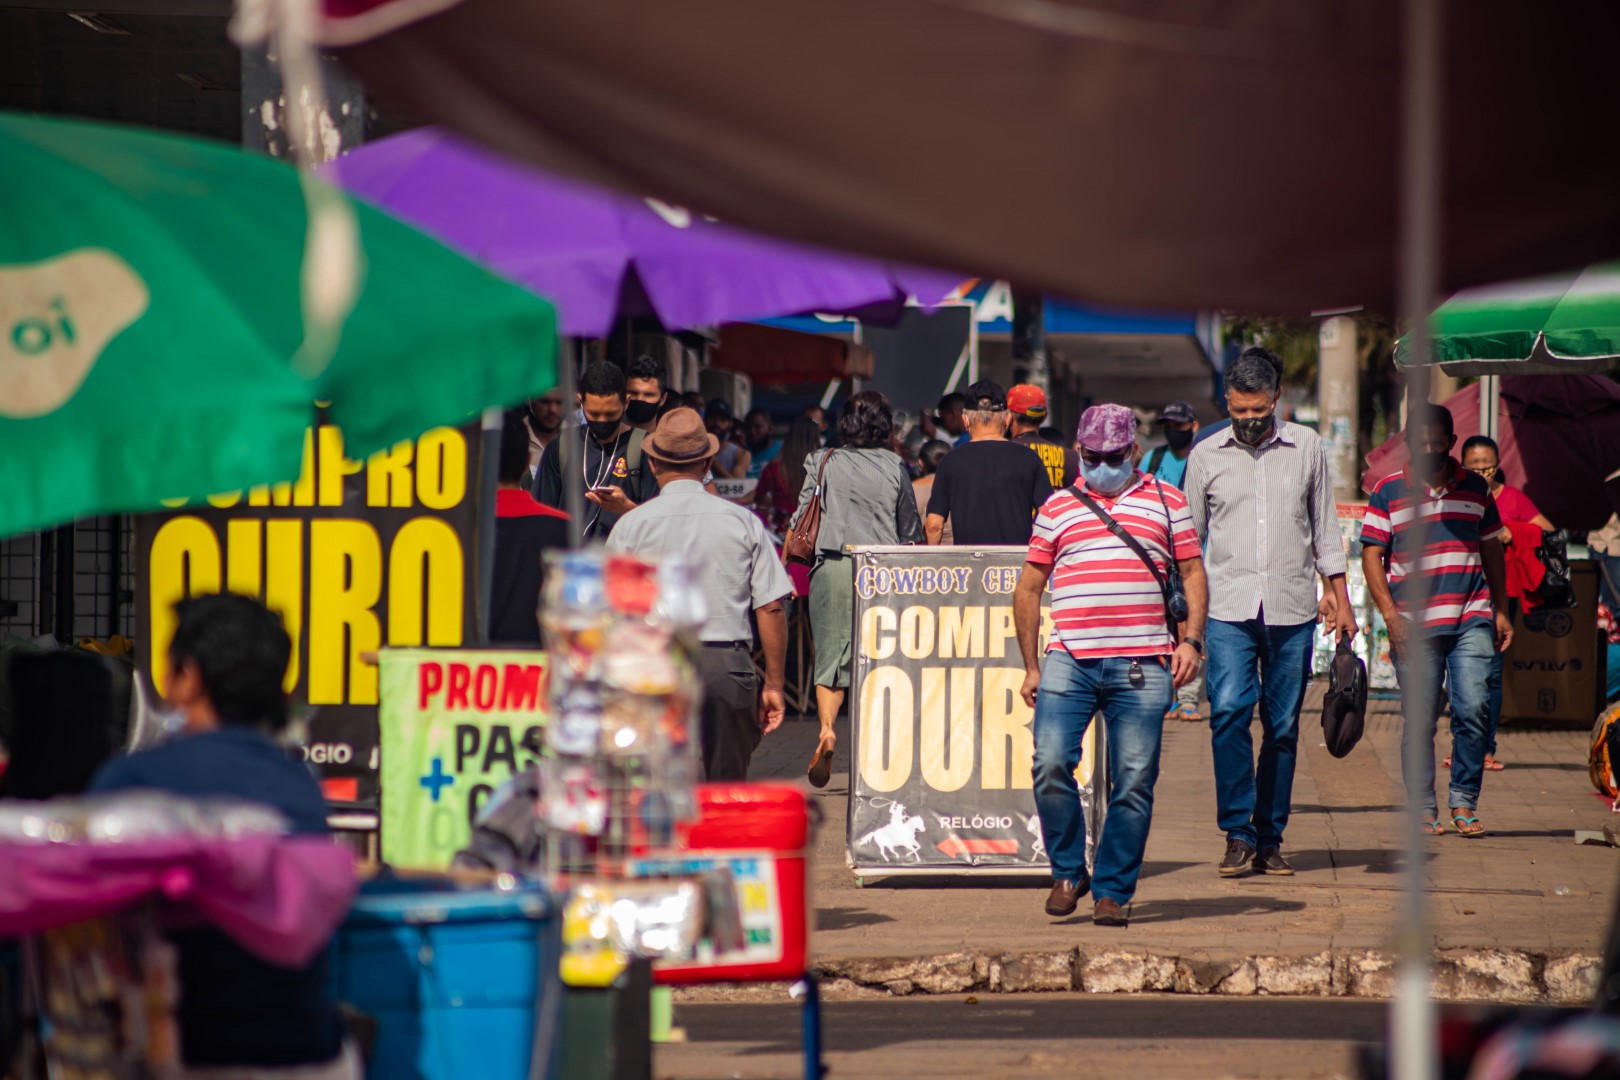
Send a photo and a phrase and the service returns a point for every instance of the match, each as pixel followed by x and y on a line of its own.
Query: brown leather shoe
pixel 1107 912
pixel 1065 896
pixel 820 771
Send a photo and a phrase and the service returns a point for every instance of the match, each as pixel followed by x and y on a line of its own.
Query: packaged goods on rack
pixel 620 758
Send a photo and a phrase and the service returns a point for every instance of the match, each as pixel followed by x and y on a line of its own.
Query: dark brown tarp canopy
pixel 1162 152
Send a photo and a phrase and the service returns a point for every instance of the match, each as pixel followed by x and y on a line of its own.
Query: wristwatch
pixel 1198 646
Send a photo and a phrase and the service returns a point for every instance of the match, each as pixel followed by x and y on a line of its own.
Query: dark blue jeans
pixel 1071 691
pixel 1250 663
pixel 1460 665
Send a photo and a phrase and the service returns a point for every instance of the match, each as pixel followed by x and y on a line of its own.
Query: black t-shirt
pixel 603 465
pixel 1062 463
pixel 989 491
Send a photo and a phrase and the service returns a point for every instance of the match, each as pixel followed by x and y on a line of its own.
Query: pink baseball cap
pixel 1107 429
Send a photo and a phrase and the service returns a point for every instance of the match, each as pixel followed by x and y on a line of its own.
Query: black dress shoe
pixel 1108 912
pixel 1239 859
pixel 1065 896
pixel 1270 861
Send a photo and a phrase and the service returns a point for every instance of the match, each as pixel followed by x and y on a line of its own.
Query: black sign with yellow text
pixel 355 555
pixel 943 744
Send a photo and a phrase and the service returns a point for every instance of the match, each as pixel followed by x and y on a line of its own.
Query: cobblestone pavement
pixel 1518 915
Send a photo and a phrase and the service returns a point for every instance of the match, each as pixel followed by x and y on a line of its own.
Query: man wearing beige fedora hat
pixel 738 571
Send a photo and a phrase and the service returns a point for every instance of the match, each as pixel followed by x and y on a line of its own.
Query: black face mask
pixel 639 412
pixel 1178 439
pixel 603 431
pixel 1253 430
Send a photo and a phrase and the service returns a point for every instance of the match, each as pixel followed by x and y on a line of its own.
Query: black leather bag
pixel 1344 706
pixel 1556 590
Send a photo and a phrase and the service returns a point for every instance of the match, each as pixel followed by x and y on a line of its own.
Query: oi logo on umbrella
pixel 56 319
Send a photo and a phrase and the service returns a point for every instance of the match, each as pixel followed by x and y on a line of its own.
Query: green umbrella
pixel 1564 324
pixel 150 317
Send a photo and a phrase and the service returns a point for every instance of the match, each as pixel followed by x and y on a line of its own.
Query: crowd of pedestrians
pixel 1202 563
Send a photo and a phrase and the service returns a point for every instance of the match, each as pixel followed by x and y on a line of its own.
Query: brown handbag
pixel 800 545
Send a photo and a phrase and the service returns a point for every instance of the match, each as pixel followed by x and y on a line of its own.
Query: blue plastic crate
pixel 462 984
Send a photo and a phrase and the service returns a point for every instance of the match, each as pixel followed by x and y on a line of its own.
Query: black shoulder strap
pixel 1156 459
pixel 1125 537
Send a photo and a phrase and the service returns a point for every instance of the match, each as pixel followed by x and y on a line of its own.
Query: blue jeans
pixel 1493 700
pixel 1493 686
pixel 1463 660
pixel 1249 663
pixel 1071 691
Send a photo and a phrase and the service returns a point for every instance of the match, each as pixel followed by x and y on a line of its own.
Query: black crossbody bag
pixel 1170 587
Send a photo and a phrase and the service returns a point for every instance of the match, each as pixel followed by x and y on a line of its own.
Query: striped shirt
pixel 1460 514
pixel 1105 601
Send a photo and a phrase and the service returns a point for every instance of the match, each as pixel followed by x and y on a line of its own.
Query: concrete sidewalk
pixel 1519 915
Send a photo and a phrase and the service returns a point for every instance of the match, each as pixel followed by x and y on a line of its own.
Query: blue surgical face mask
pixel 1107 479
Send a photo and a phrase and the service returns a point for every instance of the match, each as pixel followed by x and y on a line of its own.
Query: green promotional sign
pixel 452 725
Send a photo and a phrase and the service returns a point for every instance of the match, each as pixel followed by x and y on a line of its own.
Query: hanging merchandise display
pixel 621 754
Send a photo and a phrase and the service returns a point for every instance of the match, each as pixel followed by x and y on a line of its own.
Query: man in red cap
pixel 1027 404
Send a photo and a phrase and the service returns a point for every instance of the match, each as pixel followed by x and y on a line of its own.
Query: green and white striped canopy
pixel 1564 324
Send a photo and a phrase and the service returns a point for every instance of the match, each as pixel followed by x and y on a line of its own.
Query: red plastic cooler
pixel 761 832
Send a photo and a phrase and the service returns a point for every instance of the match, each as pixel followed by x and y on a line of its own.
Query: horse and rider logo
pixel 898 835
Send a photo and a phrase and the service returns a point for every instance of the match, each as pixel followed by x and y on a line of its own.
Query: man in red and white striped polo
pixel 1113 649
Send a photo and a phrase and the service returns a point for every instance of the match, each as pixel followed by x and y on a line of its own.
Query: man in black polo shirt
pixel 988 488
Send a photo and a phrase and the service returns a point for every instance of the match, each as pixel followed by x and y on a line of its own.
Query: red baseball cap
pixel 1027 401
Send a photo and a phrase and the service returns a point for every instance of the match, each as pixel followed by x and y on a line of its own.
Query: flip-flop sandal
pixel 1492 765
pixel 821 767
pixel 1467 826
pixel 1434 828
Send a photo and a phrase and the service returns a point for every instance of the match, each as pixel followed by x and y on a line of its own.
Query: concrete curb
pixel 1485 975
pixel 1491 975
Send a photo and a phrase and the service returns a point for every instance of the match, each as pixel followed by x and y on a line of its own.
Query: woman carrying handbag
pixel 861 494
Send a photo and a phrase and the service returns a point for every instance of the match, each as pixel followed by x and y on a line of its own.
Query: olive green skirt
pixel 832 598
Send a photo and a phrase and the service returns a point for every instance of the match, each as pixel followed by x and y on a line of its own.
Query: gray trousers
pixel 730 715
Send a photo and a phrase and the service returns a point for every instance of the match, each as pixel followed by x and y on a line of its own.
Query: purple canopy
pixel 596 254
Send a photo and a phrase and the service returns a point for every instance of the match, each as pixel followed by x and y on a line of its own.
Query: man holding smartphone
pixel 607 450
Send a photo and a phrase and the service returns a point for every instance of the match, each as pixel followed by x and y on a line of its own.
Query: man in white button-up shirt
pixel 1262 501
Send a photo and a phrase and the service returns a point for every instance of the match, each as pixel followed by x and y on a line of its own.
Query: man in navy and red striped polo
pixel 1459 579
pixel 1112 649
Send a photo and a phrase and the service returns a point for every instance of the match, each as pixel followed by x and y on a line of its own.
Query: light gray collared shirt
pixel 738 567
pixel 1268 522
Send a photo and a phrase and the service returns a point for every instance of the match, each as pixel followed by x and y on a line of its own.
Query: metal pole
pixel 573 480
pixel 1490 405
pixel 1338 376
pixel 1415 1044
pixel 489 465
